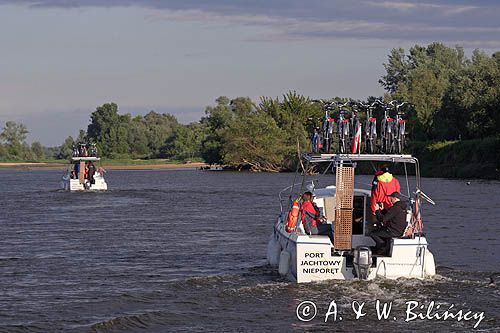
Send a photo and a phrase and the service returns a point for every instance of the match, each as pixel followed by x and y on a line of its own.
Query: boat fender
pixel 273 251
pixel 284 265
pixel 291 220
pixel 429 265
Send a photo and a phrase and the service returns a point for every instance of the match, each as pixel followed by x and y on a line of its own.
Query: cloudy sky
pixel 61 58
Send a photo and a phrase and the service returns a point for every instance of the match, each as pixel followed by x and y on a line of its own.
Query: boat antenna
pixel 299 156
pixel 297 170
pixel 407 181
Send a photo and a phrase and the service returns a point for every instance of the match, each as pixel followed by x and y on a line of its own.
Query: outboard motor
pixel 362 261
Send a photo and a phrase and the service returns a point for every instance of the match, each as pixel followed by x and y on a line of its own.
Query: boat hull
pixel 74 185
pixel 312 258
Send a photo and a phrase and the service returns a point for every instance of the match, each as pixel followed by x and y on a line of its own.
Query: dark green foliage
pixel 123 136
pixel 185 143
pixel 12 142
pixel 216 121
pixel 453 97
pixel 38 151
pixel 14 136
pixel 66 149
pixel 478 158
pixel 109 130
pixel 260 137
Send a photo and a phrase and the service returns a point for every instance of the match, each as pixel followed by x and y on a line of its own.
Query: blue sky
pixel 61 59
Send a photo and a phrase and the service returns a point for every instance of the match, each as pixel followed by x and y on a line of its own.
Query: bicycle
pixel 93 150
pixel 355 127
pixel 387 132
pixel 370 131
pixel 370 128
pixel 75 152
pixel 316 139
pixel 399 129
pixel 328 125
pixel 343 129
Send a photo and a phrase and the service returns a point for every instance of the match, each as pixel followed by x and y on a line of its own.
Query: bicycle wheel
pixel 355 146
pixel 367 137
pixel 401 138
pixel 373 141
pixel 346 140
pixel 373 144
pixel 326 145
pixel 340 136
pixel 391 144
pixel 383 138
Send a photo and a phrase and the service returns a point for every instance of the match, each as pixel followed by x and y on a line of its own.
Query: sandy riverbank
pixel 59 166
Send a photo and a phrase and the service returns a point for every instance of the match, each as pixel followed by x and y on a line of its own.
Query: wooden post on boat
pixel 343 209
pixel 81 175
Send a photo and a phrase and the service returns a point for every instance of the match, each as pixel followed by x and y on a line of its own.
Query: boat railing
pixel 85 158
pixel 283 199
pixel 394 158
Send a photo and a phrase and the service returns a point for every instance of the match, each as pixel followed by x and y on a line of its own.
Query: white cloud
pixel 289 29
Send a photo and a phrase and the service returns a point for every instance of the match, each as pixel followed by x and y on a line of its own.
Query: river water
pixel 185 251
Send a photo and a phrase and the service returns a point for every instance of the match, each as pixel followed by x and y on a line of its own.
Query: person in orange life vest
pixel 384 183
pixel 311 218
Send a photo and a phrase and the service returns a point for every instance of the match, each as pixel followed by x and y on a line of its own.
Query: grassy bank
pixel 107 163
pixel 459 159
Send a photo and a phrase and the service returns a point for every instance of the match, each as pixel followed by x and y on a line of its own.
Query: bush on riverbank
pixel 479 158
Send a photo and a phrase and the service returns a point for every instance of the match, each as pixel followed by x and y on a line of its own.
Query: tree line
pixel 454 98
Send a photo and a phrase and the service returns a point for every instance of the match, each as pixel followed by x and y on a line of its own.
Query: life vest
pixel 291 220
pixel 310 215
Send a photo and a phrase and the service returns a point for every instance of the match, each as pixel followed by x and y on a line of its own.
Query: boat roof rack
pixel 319 158
pixel 85 158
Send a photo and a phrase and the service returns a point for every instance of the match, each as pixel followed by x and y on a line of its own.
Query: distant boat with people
pixel 84 173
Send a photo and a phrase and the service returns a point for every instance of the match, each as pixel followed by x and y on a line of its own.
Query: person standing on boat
pixel 392 223
pixel 315 141
pixel 76 169
pixel 311 218
pixel 384 183
pixel 91 172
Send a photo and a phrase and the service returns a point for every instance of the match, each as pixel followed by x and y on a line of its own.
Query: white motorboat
pixel 305 258
pixel 78 177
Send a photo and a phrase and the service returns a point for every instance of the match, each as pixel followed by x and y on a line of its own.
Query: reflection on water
pixel 184 250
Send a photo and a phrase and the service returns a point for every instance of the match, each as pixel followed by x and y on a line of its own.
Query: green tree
pixel 159 127
pixel 185 143
pixel 138 138
pixel 216 121
pixel 3 151
pixel 397 69
pixel 432 78
pixel 38 150
pixel 66 149
pixel 255 141
pixel 109 130
pixel 14 135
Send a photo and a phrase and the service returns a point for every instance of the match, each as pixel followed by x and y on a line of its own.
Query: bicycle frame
pixel 370 128
pixel 387 131
pixel 328 125
pixel 354 125
pixel 399 129
pixel 343 130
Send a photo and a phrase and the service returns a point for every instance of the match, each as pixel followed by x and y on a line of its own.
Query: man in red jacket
pixel 384 183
